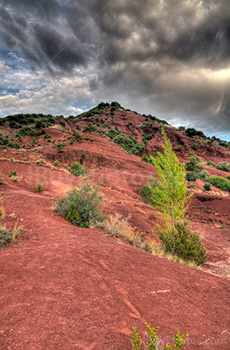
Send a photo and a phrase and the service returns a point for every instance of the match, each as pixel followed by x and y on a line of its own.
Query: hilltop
pixel 66 287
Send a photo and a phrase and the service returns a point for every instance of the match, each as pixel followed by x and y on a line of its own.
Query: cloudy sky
pixel 169 58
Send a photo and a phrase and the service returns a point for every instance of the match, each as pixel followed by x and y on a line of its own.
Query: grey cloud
pixel 138 50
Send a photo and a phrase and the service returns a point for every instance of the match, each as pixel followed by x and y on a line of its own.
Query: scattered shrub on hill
pixel 145 158
pixel 62 124
pixel 13 173
pixel 115 104
pixel 183 243
pixel 39 188
pixel 220 182
pixel 204 176
pixel 77 136
pixel 27 131
pixel 77 169
pixel 211 164
pixel 128 143
pixel 207 187
pixel 47 136
pixel 154 342
pixel 193 132
pixel 192 176
pixel 193 163
pixel 7 237
pixel 82 206
pixel 195 146
pixel 60 147
pixel 90 128
pixel 179 148
pixel 192 186
pixel 223 166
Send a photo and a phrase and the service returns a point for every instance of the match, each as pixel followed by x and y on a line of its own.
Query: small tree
pixel 169 194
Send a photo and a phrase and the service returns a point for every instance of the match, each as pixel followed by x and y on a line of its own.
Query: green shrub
pixel 146 194
pixel 145 158
pixel 204 176
pixel 192 186
pixel 77 136
pixel 39 188
pixel 47 136
pixel 195 146
pixel 81 206
pixel 193 176
pixel 62 124
pixel 183 243
pixel 7 237
pixel 207 187
pixel 56 162
pixel 193 132
pixel 220 182
pixel 128 143
pixel 77 169
pixel 179 148
pixel 211 164
pixel 90 128
pixel 13 173
pixel 153 341
pixel 223 166
pixel 193 164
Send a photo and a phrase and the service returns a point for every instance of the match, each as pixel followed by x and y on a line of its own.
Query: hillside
pixel 66 287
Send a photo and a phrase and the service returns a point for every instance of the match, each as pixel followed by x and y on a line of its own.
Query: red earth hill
pixel 64 287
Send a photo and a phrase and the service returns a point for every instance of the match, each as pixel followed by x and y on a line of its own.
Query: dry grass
pixel 2 213
pixel 160 252
pixel 119 227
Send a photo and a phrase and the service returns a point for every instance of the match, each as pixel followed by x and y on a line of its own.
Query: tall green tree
pixel 169 191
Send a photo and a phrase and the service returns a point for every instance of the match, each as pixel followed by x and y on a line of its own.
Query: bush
pixel 223 166
pixel 154 342
pixel 211 164
pixel 81 206
pixel 183 243
pixel 193 176
pixel 146 194
pixel 220 182
pixel 77 169
pixel 193 164
pixel 90 128
pixel 39 188
pixel 13 173
pixel 195 146
pixel 207 187
pixel 7 237
pixel 204 176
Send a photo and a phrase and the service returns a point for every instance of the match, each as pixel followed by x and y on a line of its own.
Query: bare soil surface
pixel 63 287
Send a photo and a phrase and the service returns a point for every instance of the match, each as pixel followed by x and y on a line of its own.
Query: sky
pixel 168 58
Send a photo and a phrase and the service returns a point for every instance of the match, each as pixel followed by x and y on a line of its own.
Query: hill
pixel 65 287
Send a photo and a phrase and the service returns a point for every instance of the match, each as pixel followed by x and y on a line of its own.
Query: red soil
pixel 64 287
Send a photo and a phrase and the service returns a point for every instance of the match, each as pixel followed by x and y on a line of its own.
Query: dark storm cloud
pixel 47 32
pixel 169 53
pixel 164 29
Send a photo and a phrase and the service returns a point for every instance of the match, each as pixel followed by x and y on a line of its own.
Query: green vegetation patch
pixel 82 206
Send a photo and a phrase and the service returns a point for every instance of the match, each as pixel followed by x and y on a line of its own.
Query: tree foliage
pixel 169 194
